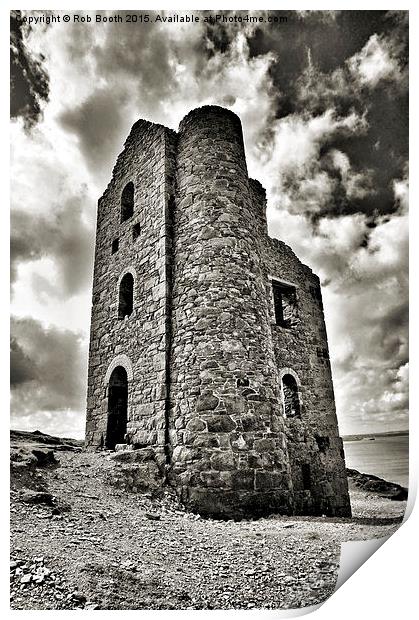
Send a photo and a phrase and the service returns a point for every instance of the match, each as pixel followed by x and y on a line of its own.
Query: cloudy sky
pixel 323 102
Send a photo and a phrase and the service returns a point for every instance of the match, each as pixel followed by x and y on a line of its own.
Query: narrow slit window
pixel 115 245
pixel 136 229
pixel 126 296
pixel 285 304
pixel 306 476
pixel 127 201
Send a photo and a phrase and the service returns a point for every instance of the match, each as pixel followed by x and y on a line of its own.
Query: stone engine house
pixel 208 341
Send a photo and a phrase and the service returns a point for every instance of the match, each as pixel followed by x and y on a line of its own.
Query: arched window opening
pixel 117 408
pixel 127 201
pixel 291 400
pixel 126 295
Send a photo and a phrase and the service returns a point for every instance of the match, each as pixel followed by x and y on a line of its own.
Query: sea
pixel 384 456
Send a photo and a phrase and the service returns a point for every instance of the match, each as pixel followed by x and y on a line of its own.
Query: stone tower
pixel 208 342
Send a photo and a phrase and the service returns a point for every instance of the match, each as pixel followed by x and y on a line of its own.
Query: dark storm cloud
pixel 385 330
pixel 22 369
pixel 47 367
pixel 140 55
pixel 331 39
pixel 98 122
pixel 322 64
pixel 383 147
pixel 148 56
pixel 62 236
pixel 136 68
pixel 29 82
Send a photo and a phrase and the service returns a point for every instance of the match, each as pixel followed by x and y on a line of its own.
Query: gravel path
pixel 98 548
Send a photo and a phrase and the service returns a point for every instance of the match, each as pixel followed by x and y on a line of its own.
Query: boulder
pixel 377 486
pixel 44 457
pixel 142 455
pixel 37 497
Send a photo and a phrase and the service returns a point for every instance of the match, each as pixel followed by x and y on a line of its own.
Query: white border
pixel 385 587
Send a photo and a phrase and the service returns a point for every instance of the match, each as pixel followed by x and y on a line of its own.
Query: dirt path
pixel 99 548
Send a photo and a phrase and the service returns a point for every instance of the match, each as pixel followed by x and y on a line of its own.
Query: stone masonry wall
pixel 202 351
pixel 229 453
pixel 141 337
pixel 313 439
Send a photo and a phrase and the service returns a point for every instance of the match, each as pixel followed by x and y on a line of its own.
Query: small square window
pixel 115 245
pixel 323 443
pixel 136 229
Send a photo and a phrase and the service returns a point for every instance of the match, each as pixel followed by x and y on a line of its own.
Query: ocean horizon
pixel 386 456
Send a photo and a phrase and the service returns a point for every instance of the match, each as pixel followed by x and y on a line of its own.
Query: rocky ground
pixel 80 542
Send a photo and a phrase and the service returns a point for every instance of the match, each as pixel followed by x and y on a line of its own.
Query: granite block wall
pixel 225 412
pixel 301 349
pixel 205 358
pixel 137 342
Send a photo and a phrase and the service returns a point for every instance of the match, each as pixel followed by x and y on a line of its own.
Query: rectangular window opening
pixel 285 304
pixel 115 245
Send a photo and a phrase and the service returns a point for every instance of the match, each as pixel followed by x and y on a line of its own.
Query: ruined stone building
pixel 208 343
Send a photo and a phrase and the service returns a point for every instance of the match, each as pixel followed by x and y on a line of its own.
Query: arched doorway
pixel 291 400
pixel 117 407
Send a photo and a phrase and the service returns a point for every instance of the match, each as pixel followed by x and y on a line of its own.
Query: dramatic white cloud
pixel 401 194
pixel 290 165
pixel 375 63
pixel 356 184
